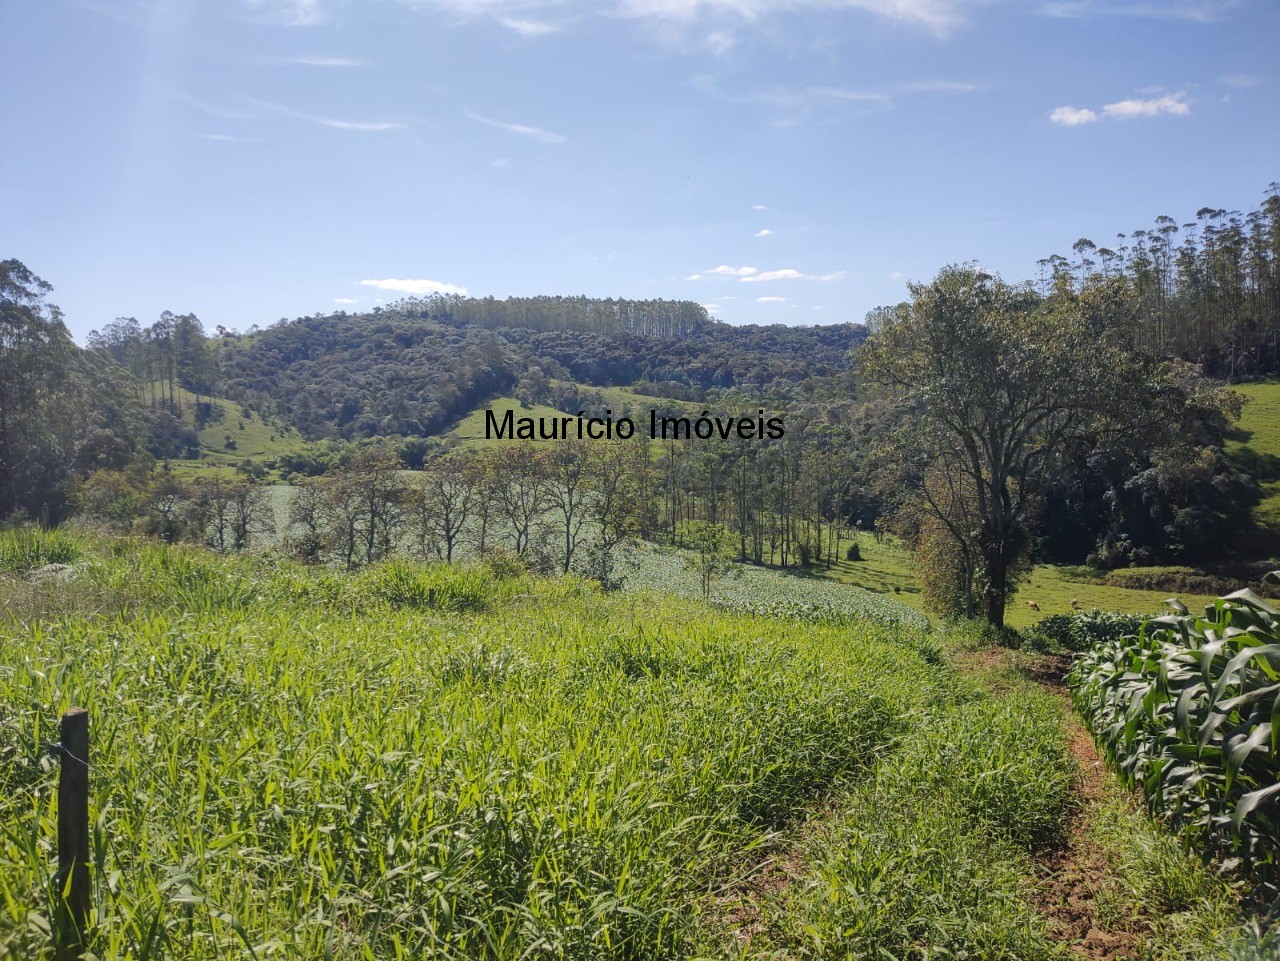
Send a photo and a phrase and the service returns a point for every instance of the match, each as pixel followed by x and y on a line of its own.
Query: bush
pixel 1079 631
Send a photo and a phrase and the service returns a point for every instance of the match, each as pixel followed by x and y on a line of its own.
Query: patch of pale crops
pixel 304 764
pixel 772 593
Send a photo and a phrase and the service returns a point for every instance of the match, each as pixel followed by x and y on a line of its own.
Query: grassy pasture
pixel 311 764
pixel 411 762
pixel 471 429
pixel 1257 444
pixel 255 439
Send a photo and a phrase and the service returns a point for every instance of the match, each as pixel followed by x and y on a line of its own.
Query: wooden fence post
pixel 73 834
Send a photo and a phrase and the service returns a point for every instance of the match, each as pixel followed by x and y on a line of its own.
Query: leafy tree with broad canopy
pixel 1000 386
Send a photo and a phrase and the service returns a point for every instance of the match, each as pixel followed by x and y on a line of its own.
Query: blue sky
pixel 792 161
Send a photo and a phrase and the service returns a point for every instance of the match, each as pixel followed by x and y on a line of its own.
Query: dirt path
pixel 1070 876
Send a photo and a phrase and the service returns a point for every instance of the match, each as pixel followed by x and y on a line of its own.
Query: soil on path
pixel 1071 875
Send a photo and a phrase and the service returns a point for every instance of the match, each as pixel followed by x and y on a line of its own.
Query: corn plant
pixel 1188 710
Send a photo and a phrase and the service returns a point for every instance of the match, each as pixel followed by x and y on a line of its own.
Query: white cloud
pixel 292 13
pixel 766 232
pixel 1202 11
pixel 759 207
pixel 418 287
pixel 936 15
pixel 1072 116
pixel 694 277
pixel 328 62
pixel 523 130
pixel 1173 104
pixel 770 300
pixel 363 125
pixel 528 28
pixel 817 308
pixel 345 300
pixel 220 137
pixel 789 273
pixel 1240 80
pixel 724 270
pixel 710 308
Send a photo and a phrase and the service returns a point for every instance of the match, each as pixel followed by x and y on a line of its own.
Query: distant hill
pixel 420 366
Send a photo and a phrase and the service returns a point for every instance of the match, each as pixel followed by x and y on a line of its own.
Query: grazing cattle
pixel 1033 605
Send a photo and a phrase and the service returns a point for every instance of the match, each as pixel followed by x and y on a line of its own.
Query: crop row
pixel 1188 710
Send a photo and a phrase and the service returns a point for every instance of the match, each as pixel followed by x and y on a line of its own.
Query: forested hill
pixel 416 367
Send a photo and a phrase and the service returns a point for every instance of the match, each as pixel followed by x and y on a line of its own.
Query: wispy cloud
pixel 1202 11
pixel 759 207
pixel 341 62
pixel 1240 80
pixel 694 277
pixel 789 273
pixel 756 275
pixel 766 232
pixel 710 308
pixel 936 15
pixel 528 28
pixel 1174 105
pixel 345 300
pixel 417 287
pixel 523 130
pixel 771 300
pixel 373 126
pixel 291 13
pixel 221 137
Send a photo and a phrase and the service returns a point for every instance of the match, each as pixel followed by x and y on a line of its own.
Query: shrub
pixel 1078 631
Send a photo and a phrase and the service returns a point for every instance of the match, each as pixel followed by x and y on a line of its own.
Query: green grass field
pixel 470 431
pixel 305 763
pixel 1051 588
pixel 1257 438
pixel 410 761
pixel 254 439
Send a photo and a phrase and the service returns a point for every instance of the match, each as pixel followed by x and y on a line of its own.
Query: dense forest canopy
pixel 414 368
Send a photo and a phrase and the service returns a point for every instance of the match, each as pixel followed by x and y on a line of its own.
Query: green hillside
pixel 471 430
pixel 231 436
pixel 1256 442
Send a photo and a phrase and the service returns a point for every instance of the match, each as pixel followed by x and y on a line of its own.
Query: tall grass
pixel 929 857
pixel 24 549
pixel 290 763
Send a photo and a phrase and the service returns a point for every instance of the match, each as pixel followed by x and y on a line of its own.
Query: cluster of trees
pixel 367 376
pixel 63 411
pixel 403 372
pixel 173 352
pixel 1207 291
pixel 1009 398
pixel 566 506
pixel 227 514
pixel 647 318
